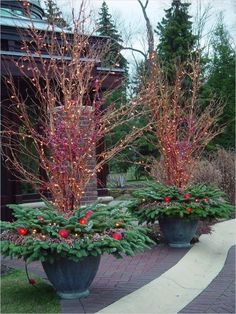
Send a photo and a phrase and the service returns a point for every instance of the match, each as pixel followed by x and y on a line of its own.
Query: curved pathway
pixel 219 296
pixel 162 280
pixel 177 287
pixel 117 278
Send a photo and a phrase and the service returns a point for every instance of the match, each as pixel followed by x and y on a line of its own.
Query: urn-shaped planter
pixel 178 232
pixel 70 279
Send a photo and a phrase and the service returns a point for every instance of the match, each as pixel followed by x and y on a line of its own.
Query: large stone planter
pixel 178 232
pixel 70 279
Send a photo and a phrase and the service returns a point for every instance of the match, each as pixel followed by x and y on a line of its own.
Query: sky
pixel 130 22
pixel 129 10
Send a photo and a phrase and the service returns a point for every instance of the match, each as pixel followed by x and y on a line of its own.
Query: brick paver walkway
pixel 219 296
pixel 116 277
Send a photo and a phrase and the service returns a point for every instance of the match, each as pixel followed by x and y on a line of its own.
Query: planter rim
pixel 177 217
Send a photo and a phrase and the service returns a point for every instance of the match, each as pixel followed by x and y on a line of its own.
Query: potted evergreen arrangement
pixel 70 247
pixel 181 128
pixel 52 140
pixel 178 212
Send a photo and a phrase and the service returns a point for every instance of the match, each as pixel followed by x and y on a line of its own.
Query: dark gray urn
pixel 70 279
pixel 178 232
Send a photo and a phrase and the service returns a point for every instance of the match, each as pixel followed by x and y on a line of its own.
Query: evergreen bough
pixel 195 202
pixel 43 241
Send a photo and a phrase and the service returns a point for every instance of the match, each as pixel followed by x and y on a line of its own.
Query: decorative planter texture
pixel 70 279
pixel 178 232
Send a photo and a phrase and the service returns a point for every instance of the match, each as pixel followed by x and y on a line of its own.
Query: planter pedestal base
pixel 179 245
pixel 72 296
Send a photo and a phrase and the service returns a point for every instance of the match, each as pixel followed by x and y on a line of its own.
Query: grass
pixel 18 296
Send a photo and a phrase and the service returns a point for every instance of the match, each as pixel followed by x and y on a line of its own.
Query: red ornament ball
pixel 117 236
pixel 88 214
pixel 63 233
pixel 167 199
pixel 190 210
pixel 83 221
pixel 206 199
pixel 22 231
pixel 187 196
pixel 32 281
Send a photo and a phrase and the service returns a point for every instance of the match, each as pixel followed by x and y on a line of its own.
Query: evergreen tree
pixel 176 41
pixel 176 38
pixel 54 15
pixel 106 27
pixel 113 58
pixel 221 82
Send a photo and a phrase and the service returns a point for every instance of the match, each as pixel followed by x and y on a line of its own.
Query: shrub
pixel 217 169
pixel 225 162
pixel 206 172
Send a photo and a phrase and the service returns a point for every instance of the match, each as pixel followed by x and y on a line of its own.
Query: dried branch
pixel 182 129
pixel 150 36
pixel 50 134
pixel 135 50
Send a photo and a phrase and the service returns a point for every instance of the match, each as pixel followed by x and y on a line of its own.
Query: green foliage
pixel 118 164
pixel 95 237
pixel 29 161
pixel 176 38
pixel 137 153
pixel 176 43
pixel 198 201
pixel 106 27
pixel 140 75
pixel 114 58
pixel 54 15
pixel 17 296
pixel 221 82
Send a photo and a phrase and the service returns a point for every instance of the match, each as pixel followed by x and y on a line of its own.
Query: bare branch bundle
pixel 51 131
pixel 182 128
